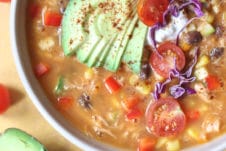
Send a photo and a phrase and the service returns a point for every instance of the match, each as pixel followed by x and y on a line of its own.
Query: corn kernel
pixel 173 145
pixel 89 74
pixel 161 142
pixel 133 79
pixel 143 88
pixel 203 61
pixel 194 134
pixel 185 46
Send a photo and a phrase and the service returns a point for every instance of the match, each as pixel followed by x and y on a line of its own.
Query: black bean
pixel 84 101
pixel 145 71
pixel 219 30
pixel 216 52
pixel 194 37
pixel 145 67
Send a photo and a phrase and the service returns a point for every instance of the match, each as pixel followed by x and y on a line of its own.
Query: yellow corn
pixel 208 17
pixel 143 88
pixel 133 79
pixel 173 145
pixel 161 142
pixel 203 61
pixel 185 46
pixel 115 103
pixel 89 73
pixel 206 29
pixel 194 134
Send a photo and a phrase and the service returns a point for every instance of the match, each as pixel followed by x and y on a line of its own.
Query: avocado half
pixel 14 139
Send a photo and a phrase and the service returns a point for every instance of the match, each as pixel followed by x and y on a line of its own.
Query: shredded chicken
pixel 211 123
pixel 202 92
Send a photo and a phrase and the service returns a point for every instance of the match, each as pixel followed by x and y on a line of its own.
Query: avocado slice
pixel 100 60
pixel 71 24
pixel 16 140
pixel 134 50
pixel 113 59
pixel 99 32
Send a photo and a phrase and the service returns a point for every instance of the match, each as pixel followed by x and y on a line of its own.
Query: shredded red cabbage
pixel 174 9
pixel 184 78
pixel 190 91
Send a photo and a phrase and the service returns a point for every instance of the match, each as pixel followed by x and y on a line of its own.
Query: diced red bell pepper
pixel 130 102
pixel 135 113
pixel 112 85
pixel 147 144
pixel 212 82
pixel 65 103
pixel 41 69
pixel 52 19
pixel 192 115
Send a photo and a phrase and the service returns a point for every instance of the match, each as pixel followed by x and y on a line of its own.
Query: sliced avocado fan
pixel 103 33
pixel 16 140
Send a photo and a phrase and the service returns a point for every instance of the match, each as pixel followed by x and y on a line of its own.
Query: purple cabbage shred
pixel 184 78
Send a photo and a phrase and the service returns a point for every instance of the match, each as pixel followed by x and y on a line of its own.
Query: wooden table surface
pixel 22 113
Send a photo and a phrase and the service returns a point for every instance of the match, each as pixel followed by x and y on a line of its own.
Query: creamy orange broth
pixel 106 121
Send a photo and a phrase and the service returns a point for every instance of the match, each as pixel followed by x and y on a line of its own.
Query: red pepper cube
pixel 112 85
pixel 133 114
pixel 52 19
pixel 41 69
pixel 212 82
pixel 147 144
pixel 65 103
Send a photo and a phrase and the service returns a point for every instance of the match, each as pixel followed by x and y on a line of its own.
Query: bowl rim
pixel 50 114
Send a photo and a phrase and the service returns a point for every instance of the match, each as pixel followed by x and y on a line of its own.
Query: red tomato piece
pixel 5 1
pixel 112 85
pixel 4 98
pixel 163 63
pixel 52 19
pixel 133 114
pixel 65 103
pixel 165 117
pixel 192 115
pixel 41 69
pixel 147 144
pixel 212 82
pixel 130 102
pixel 151 12
pixel 34 10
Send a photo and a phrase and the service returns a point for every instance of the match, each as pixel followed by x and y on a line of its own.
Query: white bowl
pixel 38 97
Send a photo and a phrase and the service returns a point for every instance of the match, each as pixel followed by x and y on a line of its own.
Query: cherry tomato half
pixel 151 12
pixel 4 98
pixel 163 63
pixel 165 117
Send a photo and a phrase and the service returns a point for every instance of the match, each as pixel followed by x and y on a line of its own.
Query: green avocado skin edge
pixel 14 139
pixel 92 36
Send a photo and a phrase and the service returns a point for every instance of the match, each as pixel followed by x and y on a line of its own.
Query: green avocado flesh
pixel 16 140
pixel 104 33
